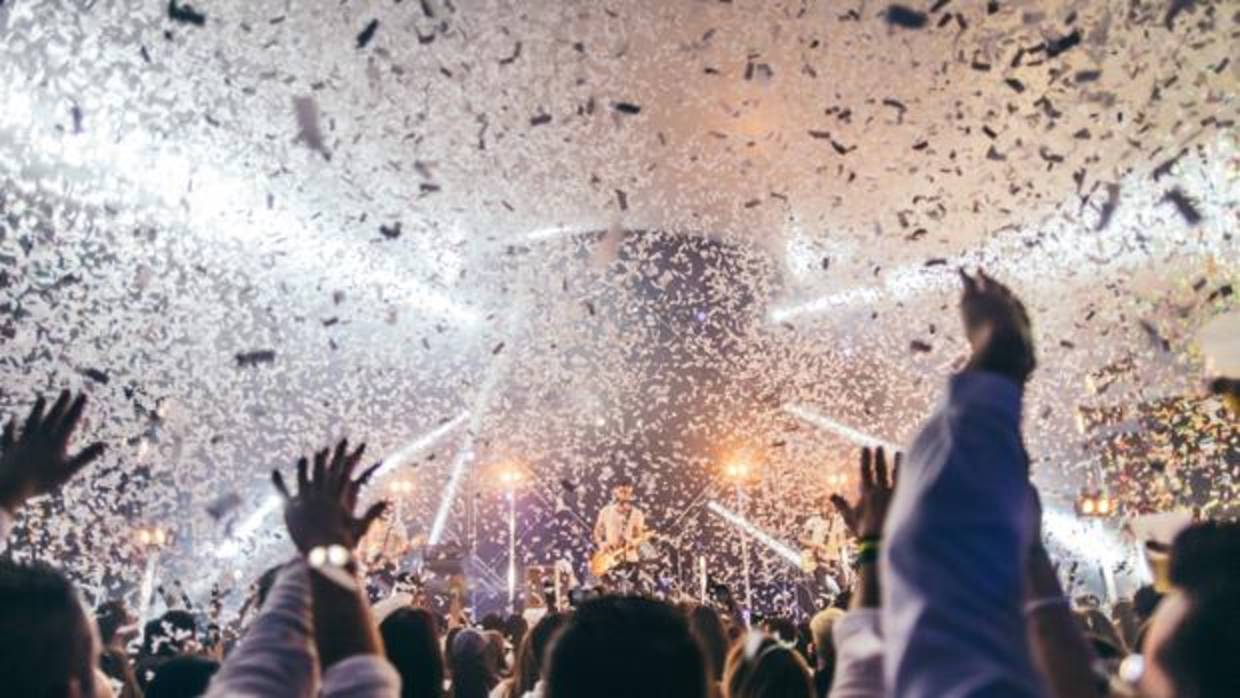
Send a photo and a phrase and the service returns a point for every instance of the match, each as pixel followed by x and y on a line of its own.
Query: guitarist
pixel 824 554
pixel 620 523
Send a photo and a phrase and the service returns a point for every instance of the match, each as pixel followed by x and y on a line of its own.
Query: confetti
pixel 367 34
pixel 185 14
pixel 901 16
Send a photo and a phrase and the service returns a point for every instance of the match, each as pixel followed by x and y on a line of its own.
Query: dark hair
pixel 1206 556
pixel 166 636
pixel 531 657
pixel 626 647
pixel 515 628
pixel 467 656
pixel 413 648
pixel 492 621
pixel 1144 601
pixel 763 667
pixel 45 638
pixel 783 629
pixel 111 616
pixel 622 481
pixel 1200 654
pixel 182 677
pixel 712 637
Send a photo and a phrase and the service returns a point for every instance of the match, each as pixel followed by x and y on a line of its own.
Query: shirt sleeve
pixel 6 525
pixel 600 528
pixel 858 655
pixel 957 537
pixel 639 523
pixel 277 656
pixel 361 676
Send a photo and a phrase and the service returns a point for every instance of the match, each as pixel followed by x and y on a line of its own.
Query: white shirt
pixel 858 655
pixel 827 532
pixel 955 545
pixel 614 527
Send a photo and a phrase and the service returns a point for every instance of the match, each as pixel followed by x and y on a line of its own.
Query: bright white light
pixel 823 422
pixel 552 233
pixel 463 457
pixel 148 585
pixel 228 549
pixel 255 520
pixel 1084 539
pixel 852 296
pixel 781 549
pixel 406 453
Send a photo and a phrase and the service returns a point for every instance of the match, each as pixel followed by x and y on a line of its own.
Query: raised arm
pixel 322 525
pixel 36 461
pixel 962 524
pixel 858 636
pixel 277 655
pixel 1061 651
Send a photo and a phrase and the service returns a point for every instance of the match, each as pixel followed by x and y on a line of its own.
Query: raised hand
pixel 865 518
pixel 321 513
pixel 997 325
pixel 37 462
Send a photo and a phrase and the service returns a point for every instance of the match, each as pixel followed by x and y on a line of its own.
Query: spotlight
pixel 1095 503
pixel 153 537
pixel 736 470
pixel 401 487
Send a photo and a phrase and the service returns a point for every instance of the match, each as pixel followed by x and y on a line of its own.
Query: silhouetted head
pixel 620 647
pixel 47 644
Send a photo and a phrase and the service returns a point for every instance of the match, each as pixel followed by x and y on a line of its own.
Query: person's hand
pixel 998 329
pixel 321 513
pixel 37 462
pixel 865 518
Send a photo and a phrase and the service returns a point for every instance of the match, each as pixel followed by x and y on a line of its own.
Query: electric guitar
pixel 815 556
pixel 605 560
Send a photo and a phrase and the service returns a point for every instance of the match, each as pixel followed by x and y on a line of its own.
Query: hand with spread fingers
pixel 37 461
pixel 997 326
pixel 865 518
pixel 322 511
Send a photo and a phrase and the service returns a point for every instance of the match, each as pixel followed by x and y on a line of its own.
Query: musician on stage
pixel 621 527
pixel 824 553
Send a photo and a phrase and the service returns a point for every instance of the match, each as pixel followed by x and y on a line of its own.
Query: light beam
pixel 823 422
pixel 783 550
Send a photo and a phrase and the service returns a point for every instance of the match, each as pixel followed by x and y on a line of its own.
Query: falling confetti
pixel 633 244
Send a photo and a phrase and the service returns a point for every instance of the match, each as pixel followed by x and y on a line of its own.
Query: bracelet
pixel 335 562
pixel 1034 605
pixel 867 551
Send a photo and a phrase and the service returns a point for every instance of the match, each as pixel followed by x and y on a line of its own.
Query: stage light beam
pixel 823 422
pixel 783 550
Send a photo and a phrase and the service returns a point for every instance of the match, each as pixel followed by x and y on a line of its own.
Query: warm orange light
pixel 154 536
pixel 738 470
pixel 401 487
pixel 510 476
pixel 1087 506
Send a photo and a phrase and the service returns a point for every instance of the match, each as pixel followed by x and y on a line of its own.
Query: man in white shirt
pixel 823 552
pixel 620 525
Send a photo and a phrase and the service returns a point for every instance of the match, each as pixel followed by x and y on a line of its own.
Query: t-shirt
pixel 615 527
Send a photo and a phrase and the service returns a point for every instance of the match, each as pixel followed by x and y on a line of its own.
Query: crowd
pixel 954 593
